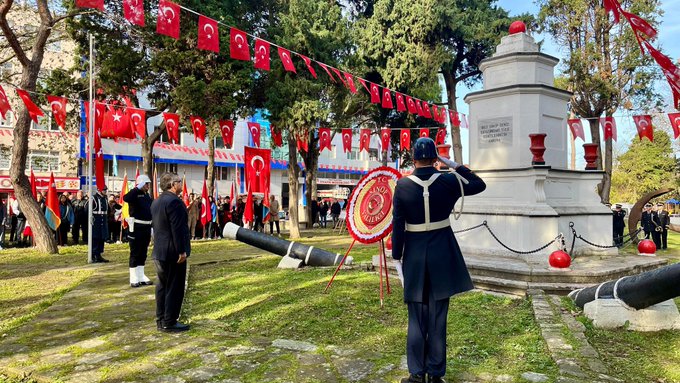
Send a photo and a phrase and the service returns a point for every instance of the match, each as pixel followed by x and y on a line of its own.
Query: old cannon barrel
pixel 310 255
pixel 637 291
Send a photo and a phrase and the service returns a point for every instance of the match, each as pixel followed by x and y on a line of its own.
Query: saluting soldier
pixel 139 229
pixel 618 215
pixel 433 266
pixel 100 224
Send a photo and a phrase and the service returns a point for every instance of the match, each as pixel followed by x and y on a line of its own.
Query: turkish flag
pixel 100 110
pixel 227 130
pixel 172 125
pixel 32 108
pixel 58 105
pixel 441 136
pixel 644 127
pixel 363 83
pixel 138 121
pixel 168 19
pixel 254 129
pixel 387 99
pixel 576 128
pixel 302 144
pixel 455 119
pixel 347 140
pixel 206 209
pixel 614 7
pixel 198 126
pixel 435 113
pixel 238 45
pixel 208 34
pixel 133 10
pixel 365 139
pixel 401 105
pixel 339 75
pixel 4 103
pixel 99 169
pixel 116 124
pixel 96 4
pixel 411 105
pixel 426 110
pixel 385 138
pixel 248 214
pixel 609 127
pixel 277 137
pixel 424 132
pixel 375 94
pixel 405 139
pixel 308 62
pixel 286 60
pixel 262 54
pixel 675 123
pixel 640 25
pixel 325 67
pixel 258 169
pixel 324 139
pixel 350 83
pixel 419 108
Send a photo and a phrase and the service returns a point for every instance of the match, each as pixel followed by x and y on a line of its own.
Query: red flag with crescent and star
pixel 238 45
pixel 364 84
pixel 675 123
pixel 58 106
pixel 258 169
pixel 133 10
pixel 310 68
pixel 286 60
pixel 208 34
pixel 349 81
pixel 640 25
pixel 99 110
pixel 328 72
pixel 441 136
pixel 262 54
pixel 424 132
pixel 347 140
pixel 138 121
pixel 172 125
pixel 206 211
pixel 644 127
pixel 336 71
pixel 385 138
pixel 411 105
pixel 96 4
pixel 302 144
pixel 614 7
pixel 375 93
pixel 435 113
pixel 576 128
pixel 426 110
pixel 324 139
pixel 277 136
pixel 401 104
pixel 364 139
pixel 419 108
pixel 33 111
pixel 116 124
pixel 227 131
pixel 254 129
pixel 4 103
pixel 405 139
pixel 387 99
pixel 168 19
pixel 453 117
pixel 198 126
pixel 608 127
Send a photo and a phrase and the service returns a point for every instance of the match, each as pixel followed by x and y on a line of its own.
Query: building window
pixel 45 123
pixel 170 168
pixel 373 155
pixel 5 157
pixel 353 155
pixel 54 46
pixel 44 161
pixel 7 122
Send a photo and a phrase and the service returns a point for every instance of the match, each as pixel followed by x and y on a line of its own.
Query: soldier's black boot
pixel 414 379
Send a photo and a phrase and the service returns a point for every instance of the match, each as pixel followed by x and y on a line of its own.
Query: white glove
pixel 400 272
pixel 450 163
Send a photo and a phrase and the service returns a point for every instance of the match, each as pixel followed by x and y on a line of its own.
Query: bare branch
pixel 9 33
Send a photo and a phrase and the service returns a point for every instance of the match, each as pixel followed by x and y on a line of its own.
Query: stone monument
pixel 527 205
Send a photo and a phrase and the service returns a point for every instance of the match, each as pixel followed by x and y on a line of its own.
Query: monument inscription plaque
pixel 495 132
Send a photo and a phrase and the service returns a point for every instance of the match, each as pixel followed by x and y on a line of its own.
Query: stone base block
pixel 290 263
pixel 611 313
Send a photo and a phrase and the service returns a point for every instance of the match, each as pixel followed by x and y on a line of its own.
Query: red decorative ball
pixel 388 244
pixel 517 27
pixel 646 246
pixel 559 259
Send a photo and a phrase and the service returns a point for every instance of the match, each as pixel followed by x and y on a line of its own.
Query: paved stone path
pixel 577 360
pixel 104 331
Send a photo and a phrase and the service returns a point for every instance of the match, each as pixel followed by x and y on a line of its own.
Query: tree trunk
pixel 211 166
pixel 293 185
pixel 311 159
pixel 147 153
pixel 605 189
pixel 456 142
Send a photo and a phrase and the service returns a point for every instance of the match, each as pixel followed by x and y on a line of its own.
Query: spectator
pixel 335 211
pixel 323 214
pixel 66 214
pixel 113 216
pixel 274 209
pixel 3 221
pixel 258 211
pixel 80 223
pixel 194 210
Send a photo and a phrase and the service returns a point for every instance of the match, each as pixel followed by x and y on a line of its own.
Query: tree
pixel 30 58
pixel 605 68
pixel 645 167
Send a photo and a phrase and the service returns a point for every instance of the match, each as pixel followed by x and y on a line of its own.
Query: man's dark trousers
pixel 139 244
pixel 426 338
pixel 169 290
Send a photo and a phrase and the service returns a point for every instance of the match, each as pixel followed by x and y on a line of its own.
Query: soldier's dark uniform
pixel 618 225
pixel 664 222
pixel 100 225
pixel 433 265
pixel 646 222
pixel 139 235
pixel 656 228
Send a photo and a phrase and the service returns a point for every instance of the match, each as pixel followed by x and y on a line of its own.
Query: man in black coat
pixel 664 222
pixel 172 247
pixel 80 207
pixel 433 266
pixel 100 224
pixel 139 229
pixel 656 226
pixel 646 220
pixel 618 225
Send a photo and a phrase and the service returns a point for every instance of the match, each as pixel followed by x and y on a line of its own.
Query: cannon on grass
pixel 309 255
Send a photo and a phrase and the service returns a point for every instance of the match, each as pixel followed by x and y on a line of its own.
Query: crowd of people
pixel 654 222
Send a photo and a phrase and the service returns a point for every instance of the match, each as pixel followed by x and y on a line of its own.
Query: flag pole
pixel 90 143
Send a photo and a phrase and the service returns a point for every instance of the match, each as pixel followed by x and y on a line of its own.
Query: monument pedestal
pixel 611 313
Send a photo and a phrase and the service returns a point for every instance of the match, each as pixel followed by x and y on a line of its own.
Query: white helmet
pixel 142 180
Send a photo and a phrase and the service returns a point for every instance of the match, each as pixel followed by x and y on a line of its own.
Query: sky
pixel 668 30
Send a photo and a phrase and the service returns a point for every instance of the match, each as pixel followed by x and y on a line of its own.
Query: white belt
pixel 142 222
pixel 421 227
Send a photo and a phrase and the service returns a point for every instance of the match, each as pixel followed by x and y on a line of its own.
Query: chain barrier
pixel 470 228
pixel 632 237
pixel 559 237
